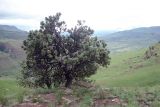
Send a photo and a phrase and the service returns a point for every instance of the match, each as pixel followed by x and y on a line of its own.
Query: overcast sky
pixel 98 14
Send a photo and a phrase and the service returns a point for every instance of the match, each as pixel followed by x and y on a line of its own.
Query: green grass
pixel 9 85
pixel 11 91
pixel 129 76
pixel 138 96
pixel 129 69
pixel 147 76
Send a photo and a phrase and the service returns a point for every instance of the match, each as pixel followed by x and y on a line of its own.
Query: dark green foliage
pixel 57 55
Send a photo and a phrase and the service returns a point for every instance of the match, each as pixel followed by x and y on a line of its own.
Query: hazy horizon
pixel 101 15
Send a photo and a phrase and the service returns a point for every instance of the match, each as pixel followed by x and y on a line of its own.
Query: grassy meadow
pixel 129 69
pixel 129 76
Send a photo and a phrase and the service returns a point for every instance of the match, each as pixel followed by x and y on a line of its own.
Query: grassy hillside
pixel 11 52
pixel 10 91
pixel 8 65
pixel 131 77
pixel 132 39
pixel 130 69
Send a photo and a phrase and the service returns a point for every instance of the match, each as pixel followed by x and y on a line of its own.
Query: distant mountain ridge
pixel 9 28
pixel 11 32
pixel 103 32
pixel 132 39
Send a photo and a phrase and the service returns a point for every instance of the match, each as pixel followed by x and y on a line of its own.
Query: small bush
pixel 80 92
pixel 51 104
pixel 100 93
pixel 155 104
pixel 38 99
pixel 43 91
pixel 4 100
pixel 20 96
pixel 59 94
pixel 87 101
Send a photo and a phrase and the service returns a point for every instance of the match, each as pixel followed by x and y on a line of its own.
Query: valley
pixel 132 76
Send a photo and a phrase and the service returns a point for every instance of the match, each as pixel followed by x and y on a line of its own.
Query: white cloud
pixel 99 14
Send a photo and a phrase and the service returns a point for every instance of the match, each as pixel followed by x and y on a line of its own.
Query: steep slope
pixel 8 65
pixel 133 39
pixel 11 52
pixel 11 32
pixel 12 47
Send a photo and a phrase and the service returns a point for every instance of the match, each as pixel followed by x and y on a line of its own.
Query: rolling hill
pixel 11 52
pixel 129 40
pixel 11 32
pixel 132 76
pixel 132 39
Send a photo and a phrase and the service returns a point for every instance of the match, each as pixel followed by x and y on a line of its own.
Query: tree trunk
pixel 69 81
pixel 48 83
pixel 49 86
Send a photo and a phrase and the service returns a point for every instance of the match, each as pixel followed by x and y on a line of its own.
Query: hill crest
pixel 12 32
pixel 132 39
